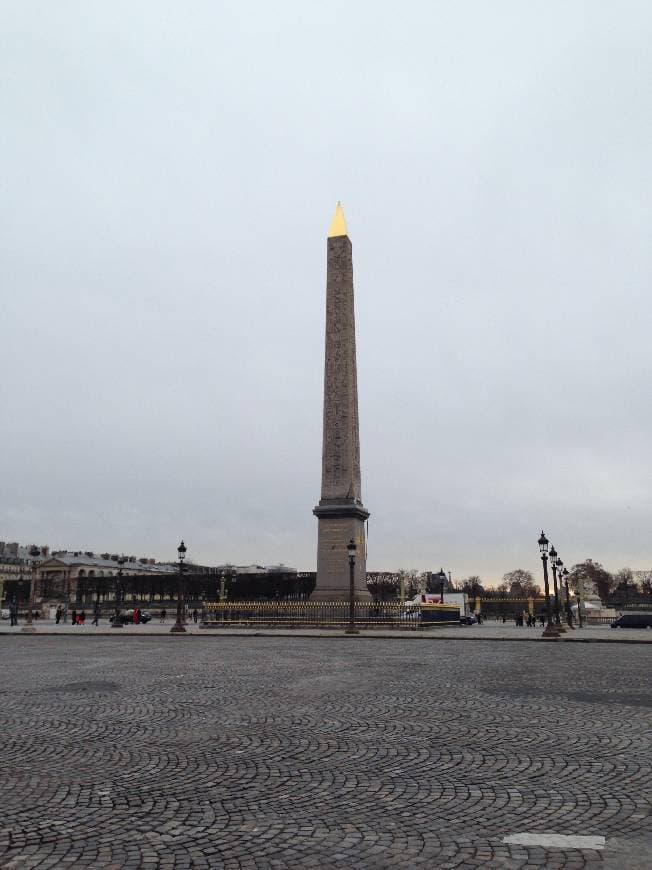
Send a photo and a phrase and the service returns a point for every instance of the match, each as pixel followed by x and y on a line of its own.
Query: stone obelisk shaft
pixel 340 510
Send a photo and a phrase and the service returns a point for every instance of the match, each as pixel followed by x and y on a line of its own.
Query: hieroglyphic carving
pixel 340 511
pixel 341 446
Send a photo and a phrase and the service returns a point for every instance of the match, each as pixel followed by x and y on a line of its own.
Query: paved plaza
pixel 277 752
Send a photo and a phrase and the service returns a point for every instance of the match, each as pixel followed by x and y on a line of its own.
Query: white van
pixel 460 599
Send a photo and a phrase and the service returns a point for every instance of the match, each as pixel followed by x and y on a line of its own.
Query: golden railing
pixel 326 614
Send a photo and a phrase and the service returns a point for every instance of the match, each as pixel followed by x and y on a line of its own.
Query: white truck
pixel 461 599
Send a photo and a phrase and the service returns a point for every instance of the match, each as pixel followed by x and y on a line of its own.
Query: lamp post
pixel 178 628
pixel 442 578
pixel 553 565
pixel 66 595
pixel 579 607
pixel 233 579
pixel 549 630
pixel 117 619
pixel 558 593
pixel 351 547
pixel 97 592
pixel 17 598
pixel 29 628
pixel 569 612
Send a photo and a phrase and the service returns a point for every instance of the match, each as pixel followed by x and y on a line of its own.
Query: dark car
pixel 127 617
pixel 633 620
pixel 469 620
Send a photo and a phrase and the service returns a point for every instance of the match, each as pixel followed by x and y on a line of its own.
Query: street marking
pixel 556 841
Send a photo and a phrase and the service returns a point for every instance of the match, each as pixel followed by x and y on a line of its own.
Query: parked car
pixel 469 620
pixel 127 617
pixel 633 620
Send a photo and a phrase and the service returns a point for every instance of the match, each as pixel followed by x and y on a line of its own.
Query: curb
pixel 335 635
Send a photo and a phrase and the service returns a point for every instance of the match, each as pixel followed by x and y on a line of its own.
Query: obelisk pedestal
pixel 340 511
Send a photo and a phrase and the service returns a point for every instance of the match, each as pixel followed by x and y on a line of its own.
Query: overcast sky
pixel 169 171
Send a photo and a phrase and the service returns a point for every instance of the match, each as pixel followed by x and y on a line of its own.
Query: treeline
pixel 268 586
pixel 617 588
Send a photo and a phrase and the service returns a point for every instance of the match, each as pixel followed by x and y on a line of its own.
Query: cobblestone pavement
pixel 309 753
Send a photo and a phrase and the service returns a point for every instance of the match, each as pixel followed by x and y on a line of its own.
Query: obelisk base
pixel 339 522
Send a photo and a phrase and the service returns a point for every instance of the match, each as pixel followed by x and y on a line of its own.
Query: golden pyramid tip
pixel 338 224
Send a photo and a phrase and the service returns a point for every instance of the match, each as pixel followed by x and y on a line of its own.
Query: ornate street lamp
pixel 178 628
pixel 553 565
pixel 29 628
pixel 233 579
pixel 66 595
pixel 117 618
pixel 569 612
pixel 442 584
pixel 97 592
pixel 549 630
pixel 351 547
pixel 17 599
pixel 579 607
pixel 558 593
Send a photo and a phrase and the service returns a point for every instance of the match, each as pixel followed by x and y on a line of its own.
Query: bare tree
pixel 625 583
pixel 624 579
pixel 472 585
pixel 519 584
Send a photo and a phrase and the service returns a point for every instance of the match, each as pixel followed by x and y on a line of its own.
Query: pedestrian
pixel 134 616
pixel 57 615
pixel 82 618
pixel 13 620
pixel 195 614
pixel 163 615
pixel 74 617
pixel 96 616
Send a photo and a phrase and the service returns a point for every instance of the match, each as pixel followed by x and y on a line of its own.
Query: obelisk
pixel 340 511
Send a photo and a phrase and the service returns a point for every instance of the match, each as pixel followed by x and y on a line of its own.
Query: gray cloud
pixel 169 173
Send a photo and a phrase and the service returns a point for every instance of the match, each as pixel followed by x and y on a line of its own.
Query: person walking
pixel 74 617
pixel 82 618
pixel 57 615
pixel 96 616
pixel 195 615
pixel 163 615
